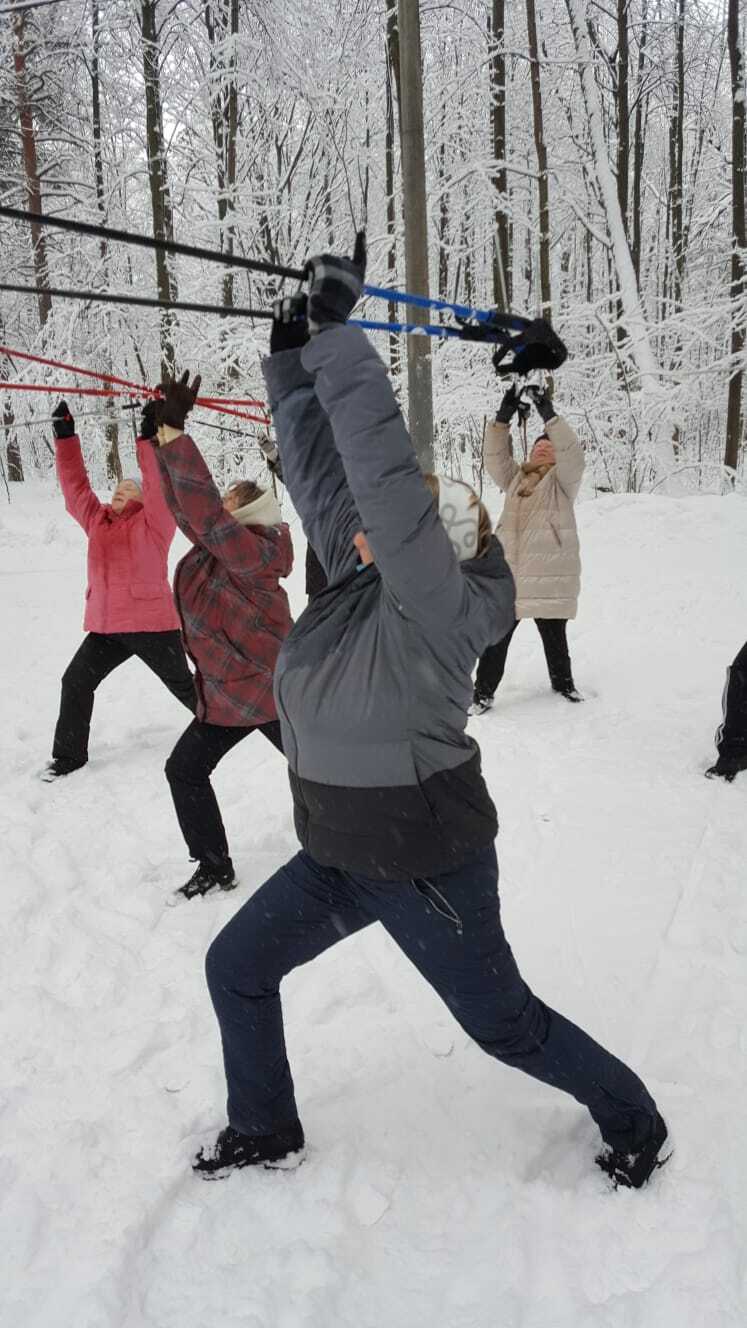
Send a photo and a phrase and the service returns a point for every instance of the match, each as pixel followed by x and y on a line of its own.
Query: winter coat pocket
pixel 145 590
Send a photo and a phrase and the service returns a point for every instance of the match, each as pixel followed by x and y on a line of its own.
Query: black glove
pixel 335 285
pixel 290 329
pixel 508 406
pixel 178 399
pixel 62 421
pixel 149 418
pixel 542 402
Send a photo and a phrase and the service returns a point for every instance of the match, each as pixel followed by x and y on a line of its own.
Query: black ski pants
pixel 731 738
pixel 188 771
pixel 553 632
pixel 449 927
pixel 99 655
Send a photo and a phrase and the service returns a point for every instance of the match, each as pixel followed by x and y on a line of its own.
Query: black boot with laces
pixel 282 1151
pixel 632 1170
pixel 209 876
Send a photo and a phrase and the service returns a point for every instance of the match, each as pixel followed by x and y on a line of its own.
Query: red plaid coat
pixel 234 613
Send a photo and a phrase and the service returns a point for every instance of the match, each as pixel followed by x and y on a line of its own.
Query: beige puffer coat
pixel 538 533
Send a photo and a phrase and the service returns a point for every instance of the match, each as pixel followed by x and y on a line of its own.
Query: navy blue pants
pixel 449 927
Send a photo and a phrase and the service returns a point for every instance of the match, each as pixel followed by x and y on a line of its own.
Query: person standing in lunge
pixel 129 606
pixel 234 616
pixel 537 529
pixel 395 821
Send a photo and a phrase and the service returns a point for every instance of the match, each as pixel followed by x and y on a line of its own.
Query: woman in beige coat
pixel 538 532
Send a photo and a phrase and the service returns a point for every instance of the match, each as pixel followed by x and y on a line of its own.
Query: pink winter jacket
pixel 128 587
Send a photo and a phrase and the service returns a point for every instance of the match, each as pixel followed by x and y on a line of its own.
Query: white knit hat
pixel 460 514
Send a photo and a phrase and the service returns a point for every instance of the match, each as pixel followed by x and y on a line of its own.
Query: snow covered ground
pixel 441 1190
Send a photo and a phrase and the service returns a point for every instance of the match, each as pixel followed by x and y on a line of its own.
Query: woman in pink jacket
pixel 129 605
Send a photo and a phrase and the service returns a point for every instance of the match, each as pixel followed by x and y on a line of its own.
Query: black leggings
pixel 491 668
pixel 188 771
pixel 98 656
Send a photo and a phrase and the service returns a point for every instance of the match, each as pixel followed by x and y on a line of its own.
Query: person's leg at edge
pixel 188 771
pixel 97 657
pixel 554 635
pixel 492 666
pixel 450 928
pixel 297 914
pixel 164 654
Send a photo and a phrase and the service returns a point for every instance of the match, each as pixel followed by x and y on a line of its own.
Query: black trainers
pixel 209 876
pixel 282 1151
pixel 480 703
pixel 58 766
pixel 632 1170
pixel 727 767
pixel 568 690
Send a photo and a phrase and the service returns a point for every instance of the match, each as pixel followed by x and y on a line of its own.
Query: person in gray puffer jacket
pixel 372 689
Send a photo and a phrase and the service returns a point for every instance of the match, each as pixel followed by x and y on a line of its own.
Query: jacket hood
pixel 263 511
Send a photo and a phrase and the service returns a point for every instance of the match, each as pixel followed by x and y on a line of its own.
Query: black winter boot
pixel 58 766
pixel 209 876
pixel 632 1170
pixel 481 702
pixel 567 688
pixel 281 1151
pixel 727 767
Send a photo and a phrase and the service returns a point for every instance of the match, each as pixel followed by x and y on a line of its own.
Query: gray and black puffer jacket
pixel 374 680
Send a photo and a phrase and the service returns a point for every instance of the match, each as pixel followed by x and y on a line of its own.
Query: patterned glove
pixel 335 285
pixel 62 421
pixel 508 407
pixel 290 330
pixel 542 402
pixel 272 457
pixel 178 400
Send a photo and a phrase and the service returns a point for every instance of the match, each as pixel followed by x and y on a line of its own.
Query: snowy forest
pixel 582 161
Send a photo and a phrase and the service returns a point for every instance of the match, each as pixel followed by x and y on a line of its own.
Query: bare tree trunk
pixel 392 76
pixel 677 151
pixel 420 390
pixel 30 165
pixel 623 110
pixel 113 461
pixel 739 239
pixel 639 144
pixel 541 150
pixel 163 219
pixel 497 72
pixel 641 347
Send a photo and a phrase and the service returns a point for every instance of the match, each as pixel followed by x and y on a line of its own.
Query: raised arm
pixel 499 460
pixel 158 516
pixel 80 500
pixel 569 456
pixel 312 470
pixel 398 514
pixel 244 550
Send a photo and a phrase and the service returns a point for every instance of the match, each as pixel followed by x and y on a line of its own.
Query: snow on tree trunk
pixel 654 412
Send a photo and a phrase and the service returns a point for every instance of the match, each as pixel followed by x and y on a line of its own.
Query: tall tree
pixel 163 217
pixel 30 163
pixel 419 380
pixel 541 150
pixel 113 461
pixel 739 238
pixel 640 340
pixel 392 81
pixel 497 73
pixel 639 141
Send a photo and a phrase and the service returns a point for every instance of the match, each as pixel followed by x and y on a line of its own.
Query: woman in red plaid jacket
pixel 234 618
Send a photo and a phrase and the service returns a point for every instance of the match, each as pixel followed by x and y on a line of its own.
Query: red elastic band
pixel 136 389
